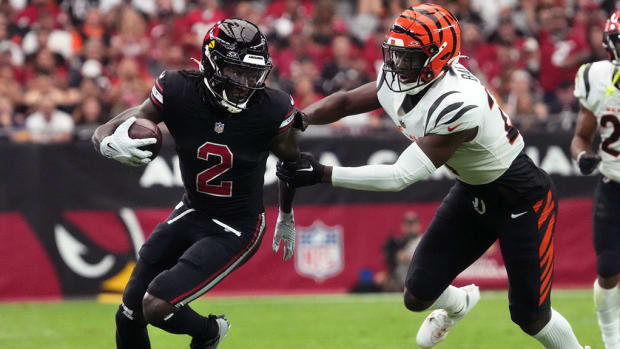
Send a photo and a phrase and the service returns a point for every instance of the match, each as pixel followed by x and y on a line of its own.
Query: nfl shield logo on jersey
pixel 219 127
pixel 320 252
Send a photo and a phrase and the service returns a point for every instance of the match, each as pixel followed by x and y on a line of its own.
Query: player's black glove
pixel 587 162
pixel 300 120
pixel 303 172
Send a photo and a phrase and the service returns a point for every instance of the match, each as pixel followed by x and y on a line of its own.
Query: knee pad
pixel 156 310
pixel 607 264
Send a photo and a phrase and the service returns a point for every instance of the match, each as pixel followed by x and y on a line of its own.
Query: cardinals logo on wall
pixel 320 252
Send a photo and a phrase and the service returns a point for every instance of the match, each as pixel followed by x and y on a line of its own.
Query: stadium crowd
pixel 67 66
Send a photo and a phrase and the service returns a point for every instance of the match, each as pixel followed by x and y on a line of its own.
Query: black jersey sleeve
pixel 167 90
pixel 283 110
pixel 157 92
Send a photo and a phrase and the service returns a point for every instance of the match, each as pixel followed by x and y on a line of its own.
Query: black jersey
pixel 521 184
pixel 222 155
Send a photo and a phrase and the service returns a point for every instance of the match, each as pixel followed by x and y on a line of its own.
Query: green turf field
pixel 317 322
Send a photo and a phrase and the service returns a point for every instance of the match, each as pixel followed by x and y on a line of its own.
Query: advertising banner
pixel 71 222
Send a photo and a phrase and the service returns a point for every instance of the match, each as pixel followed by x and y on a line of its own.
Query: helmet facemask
pixel 232 82
pixel 611 42
pixel 409 67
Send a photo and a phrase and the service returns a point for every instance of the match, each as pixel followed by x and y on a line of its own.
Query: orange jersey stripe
pixel 545 214
pixel 549 261
pixel 547 238
pixel 537 206
pixel 544 296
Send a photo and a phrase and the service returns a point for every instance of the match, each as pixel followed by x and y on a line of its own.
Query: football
pixel 145 128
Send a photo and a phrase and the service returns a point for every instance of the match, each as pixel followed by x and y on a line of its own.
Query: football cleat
pixel 436 326
pixel 223 326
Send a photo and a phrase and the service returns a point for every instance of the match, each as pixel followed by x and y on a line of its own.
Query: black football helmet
pixel 235 62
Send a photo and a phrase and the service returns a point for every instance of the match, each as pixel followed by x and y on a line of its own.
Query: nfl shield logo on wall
pixel 320 252
pixel 219 127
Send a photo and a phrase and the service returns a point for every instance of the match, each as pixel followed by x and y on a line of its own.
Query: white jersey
pixel 456 102
pixel 591 88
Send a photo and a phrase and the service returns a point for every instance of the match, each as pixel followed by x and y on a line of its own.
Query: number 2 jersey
pixel 593 88
pixel 222 156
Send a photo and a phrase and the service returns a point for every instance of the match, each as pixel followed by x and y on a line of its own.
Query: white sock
pixel 607 306
pixel 452 300
pixel 557 334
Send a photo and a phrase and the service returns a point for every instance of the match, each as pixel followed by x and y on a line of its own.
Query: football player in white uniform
pixel 596 87
pixel 453 120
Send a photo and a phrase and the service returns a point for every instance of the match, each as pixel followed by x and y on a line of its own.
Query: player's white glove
pixel 285 230
pixel 120 147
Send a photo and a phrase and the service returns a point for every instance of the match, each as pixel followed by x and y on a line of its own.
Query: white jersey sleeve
pixel 451 113
pixel 583 87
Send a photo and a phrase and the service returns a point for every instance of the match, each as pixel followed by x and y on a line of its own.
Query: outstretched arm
pixel 419 160
pixel 581 145
pixel 343 103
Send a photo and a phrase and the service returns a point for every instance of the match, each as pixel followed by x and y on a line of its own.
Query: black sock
pixel 131 330
pixel 187 321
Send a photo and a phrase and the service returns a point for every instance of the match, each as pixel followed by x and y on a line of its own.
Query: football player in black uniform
pixel 224 122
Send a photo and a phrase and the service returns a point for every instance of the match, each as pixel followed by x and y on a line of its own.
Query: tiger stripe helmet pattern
pixel 423 42
pixel 611 37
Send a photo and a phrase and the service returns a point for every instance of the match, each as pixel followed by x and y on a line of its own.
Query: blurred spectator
pixel 42 86
pixel 372 52
pixel 93 28
pixel 326 24
pixel 366 19
pixel 304 92
pixel 562 51
pixel 463 11
pixel 525 111
pixel 564 111
pixel 199 20
pixel 7 46
pixel 130 41
pixel 526 51
pixel 284 16
pixel 48 124
pixel 129 88
pixel 7 111
pixel 87 116
pixel 594 35
pixel 366 282
pixel 9 86
pixel 398 251
pixel 90 63
pixel 32 13
pixel 346 70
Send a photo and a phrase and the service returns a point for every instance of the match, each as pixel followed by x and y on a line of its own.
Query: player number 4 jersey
pixel 457 102
pixel 593 89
